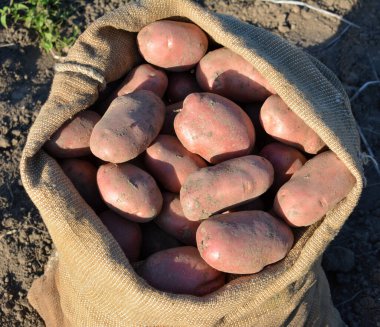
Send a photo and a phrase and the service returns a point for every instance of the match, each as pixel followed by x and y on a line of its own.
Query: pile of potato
pixel 204 169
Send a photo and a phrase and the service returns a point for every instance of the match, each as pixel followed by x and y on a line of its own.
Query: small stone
pixel 347 5
pixel 33 237
pixel 283 28
pixel 16 132
pixel 305 13
pixel 23 236
pixel 328 3
pixel 14 142
pixel 21 259
pixel 296 9
pixel 9 222
pixel 17 307
pixel 4 143
pixel 338 259
pixel 5 310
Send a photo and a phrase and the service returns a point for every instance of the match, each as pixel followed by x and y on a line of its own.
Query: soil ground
pixel 352 261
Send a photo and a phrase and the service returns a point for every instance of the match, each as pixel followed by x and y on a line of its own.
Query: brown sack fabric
pixel 89 281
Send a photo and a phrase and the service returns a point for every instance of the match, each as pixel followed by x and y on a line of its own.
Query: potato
pixel 128 127
pixel 125 232
pixel 313 190
pixel 83 176
pixel 226 73
pixel 129 191
pixel 176 46
pixel 230 183
pixel 170 163
pixel 173 221
pixel 170 113
pixel 214 127
pixel 144 77
pixel 243 242
pixel 285 126
pixel 253 112
pixel 285 161
pixel 154 240
pixel 72 139
pixel 180 86
pixel 181 271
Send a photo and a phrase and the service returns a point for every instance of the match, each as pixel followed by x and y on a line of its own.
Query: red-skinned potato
pixel 83 175
pixel 313 190
pixel 170 163
pixel 173 221
pixel 226 73
pixel 128 127
pixel 125 232
pixel 176 46
pixel 181 271
pixel 171 112
pixel 214 127
pixel 230 183
pixel 285 161
pixel 144 77
pixel 285 126
pixel 243 242
pixel 253 112
pixel 180 86
pixel 72 139
pixel 154 240
pixel 129 191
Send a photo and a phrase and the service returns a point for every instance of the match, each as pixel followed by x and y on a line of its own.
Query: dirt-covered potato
pixel 130 191
pixel 144 77
pixel 176 46
pixel 243 242
pixel 215 189
pixel 172 220
pixel 180 86
pixel 126 233
pixel 226 73
pixel 313 190
pixel 214 127
pixel 128 127
pixel 83 175
pixel 285 126
pixel 170 163
pixel 285 160
pixel 181 271
pixel 72 139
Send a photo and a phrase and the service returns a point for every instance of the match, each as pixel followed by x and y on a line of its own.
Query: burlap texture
pixel 89 282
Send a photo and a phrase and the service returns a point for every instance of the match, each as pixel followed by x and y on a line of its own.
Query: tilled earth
pixel 352 261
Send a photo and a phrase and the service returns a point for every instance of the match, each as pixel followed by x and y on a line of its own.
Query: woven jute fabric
pixel 89 281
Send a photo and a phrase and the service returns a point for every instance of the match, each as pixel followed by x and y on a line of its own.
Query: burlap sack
pixel 89 282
